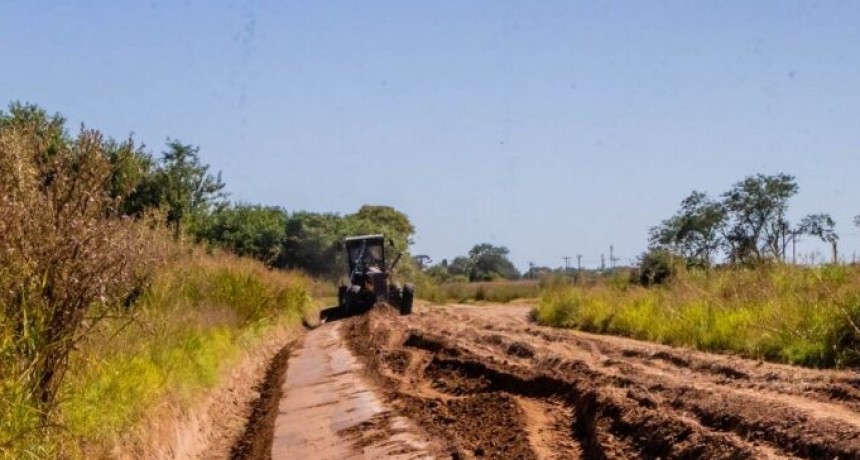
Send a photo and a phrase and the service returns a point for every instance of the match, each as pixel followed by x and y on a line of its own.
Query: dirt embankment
pixel 485 382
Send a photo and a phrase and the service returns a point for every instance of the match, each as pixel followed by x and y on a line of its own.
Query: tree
pixel 247 230
pixel 756 208
pixel 313 243
pixel 461 266
pixel 823 227
pixel 857 221
pixel 694 231
pixel 489 262
pixel 186 189
pixel 382 219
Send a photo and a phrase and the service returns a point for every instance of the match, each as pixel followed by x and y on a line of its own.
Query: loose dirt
pixel 486 382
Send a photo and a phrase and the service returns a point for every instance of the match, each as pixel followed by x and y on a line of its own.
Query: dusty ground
pixel 473 382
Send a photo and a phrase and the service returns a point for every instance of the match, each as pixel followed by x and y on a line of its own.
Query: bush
pixel 657 266
pixel 68 259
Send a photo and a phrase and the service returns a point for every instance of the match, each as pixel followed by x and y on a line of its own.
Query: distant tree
pixel 381 219
pixel 823 227
pixel 757 226
pixel 857 221
pixel 247 230
pixel 461 266
pixel 422 261
pixel 438 272
pixel 179 183
pixel 312 243
pixel 656 266
pixel 489 262
pixel 187 188
pixel 694 231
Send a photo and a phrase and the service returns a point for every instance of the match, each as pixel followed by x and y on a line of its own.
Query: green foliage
pixel 657 266
pixel 246 230
pixel 189 325
pixel 484 262
pixel 490 262
pixel 694 231
pixel 314 241
pixel 749 224
pixel 757 206
pixel 797 315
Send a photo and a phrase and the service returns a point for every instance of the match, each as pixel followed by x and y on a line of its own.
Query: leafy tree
pixel 694 231
pixel 461 266
pixel 657 266
pixel 857 221
pixel 247 230
pixel 178 183
pixel 382 219
pixel 489 262
pixel 187 190
pixel 313 243
pixel 821 226
pixel 756 207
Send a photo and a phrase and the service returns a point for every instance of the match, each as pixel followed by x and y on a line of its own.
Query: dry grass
pixel 502 291
pixel 783 313
pixel 188 328
pixel 68 261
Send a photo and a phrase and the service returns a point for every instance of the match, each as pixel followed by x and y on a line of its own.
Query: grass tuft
pixel 799 315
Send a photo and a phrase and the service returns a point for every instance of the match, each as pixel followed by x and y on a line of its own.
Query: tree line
pixel 746 225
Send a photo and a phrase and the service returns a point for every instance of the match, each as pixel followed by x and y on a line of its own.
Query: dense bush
pixel 68 258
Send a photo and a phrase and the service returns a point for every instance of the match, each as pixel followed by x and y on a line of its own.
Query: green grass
pixel 797 315
pixel 190 326
pixel 486 291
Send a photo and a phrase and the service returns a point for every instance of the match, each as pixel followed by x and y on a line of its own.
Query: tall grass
pixel 465 292
pixel 188 327
pixel 799 315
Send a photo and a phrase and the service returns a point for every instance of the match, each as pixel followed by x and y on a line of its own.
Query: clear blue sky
pixel 554 128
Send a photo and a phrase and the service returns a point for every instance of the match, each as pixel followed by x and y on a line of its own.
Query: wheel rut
pixel 484 382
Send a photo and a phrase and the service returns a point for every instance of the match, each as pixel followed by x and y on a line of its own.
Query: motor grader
pixel 370 280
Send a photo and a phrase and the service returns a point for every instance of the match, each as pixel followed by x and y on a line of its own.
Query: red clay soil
pixel 485 382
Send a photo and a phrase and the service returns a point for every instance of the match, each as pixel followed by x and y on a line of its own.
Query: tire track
pixel 554 394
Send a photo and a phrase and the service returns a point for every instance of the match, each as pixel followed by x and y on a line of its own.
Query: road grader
pixel 370 281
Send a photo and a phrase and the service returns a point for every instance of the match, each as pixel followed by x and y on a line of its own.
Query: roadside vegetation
pixel 501 291
pixel 188 329
pixel 718 277
pixel 106 310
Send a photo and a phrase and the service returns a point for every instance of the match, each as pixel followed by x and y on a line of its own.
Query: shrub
pixel 67 258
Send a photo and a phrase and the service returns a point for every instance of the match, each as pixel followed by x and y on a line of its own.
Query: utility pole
pixel 612 258
pixel 579 262
pixel 602 262
pixel 793 250
pixel 566 263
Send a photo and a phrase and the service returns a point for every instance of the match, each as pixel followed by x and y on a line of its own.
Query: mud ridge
pixel 256 440
pixel 469 378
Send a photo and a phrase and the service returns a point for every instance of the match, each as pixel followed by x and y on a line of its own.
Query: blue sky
pixel 554 128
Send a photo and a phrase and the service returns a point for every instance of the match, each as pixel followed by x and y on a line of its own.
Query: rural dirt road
pixel 485 382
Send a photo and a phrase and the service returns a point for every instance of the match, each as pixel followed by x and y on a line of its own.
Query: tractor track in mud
pixel 488 383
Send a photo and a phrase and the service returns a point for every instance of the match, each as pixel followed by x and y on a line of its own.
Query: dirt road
pixel 472 382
